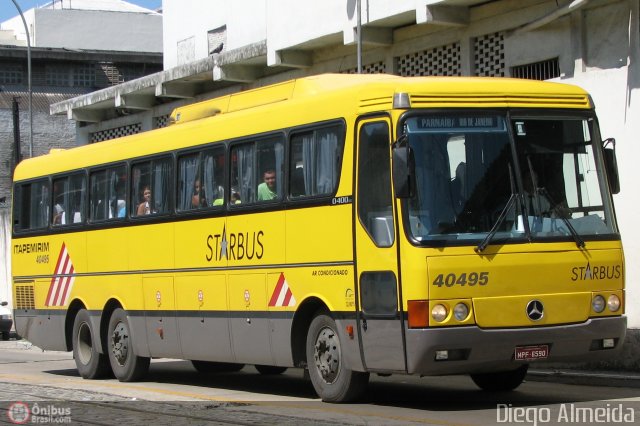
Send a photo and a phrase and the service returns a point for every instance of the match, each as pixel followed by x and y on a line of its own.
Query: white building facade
pixel 90 25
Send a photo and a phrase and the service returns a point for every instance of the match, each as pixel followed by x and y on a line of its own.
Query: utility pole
pixel 359 39
pixel 17 153
pixel 26 29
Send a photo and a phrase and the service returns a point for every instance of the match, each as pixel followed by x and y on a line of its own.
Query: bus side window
pixel 315 162
pixel 190 191
pixel 107 194
pixel 60 204
pixel 32 203
pixel 374 183
pixel 77 190
pixel 213 172
pixel 96 195
pixel 256 170
pixel 68 200
pixel 151 187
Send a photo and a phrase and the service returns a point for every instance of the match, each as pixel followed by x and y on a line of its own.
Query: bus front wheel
pixel 127 366
pixel 330 377
pixel 501 381
pixel 90 363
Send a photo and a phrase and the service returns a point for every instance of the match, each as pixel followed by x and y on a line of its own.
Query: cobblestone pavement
pixel 52 405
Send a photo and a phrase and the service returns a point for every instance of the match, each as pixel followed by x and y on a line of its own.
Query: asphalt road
pixel 47 386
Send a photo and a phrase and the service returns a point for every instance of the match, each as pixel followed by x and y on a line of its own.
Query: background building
pixel 232 45
pixel 78 47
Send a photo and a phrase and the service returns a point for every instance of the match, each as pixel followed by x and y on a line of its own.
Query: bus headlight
pixel 613 303
pixel 598 304
pixel 461 311
pixel 439 313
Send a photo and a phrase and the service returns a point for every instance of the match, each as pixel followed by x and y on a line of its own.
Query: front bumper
pixel 486 350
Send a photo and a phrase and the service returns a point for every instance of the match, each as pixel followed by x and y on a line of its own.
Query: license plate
pixel 530 353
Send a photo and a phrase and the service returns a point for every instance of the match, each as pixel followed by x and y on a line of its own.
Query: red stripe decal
pixel 276 291
pixel 53 280
pixel 64 279
pixel 287 297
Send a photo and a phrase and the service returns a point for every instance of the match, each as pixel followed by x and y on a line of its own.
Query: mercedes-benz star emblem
pixel 535 310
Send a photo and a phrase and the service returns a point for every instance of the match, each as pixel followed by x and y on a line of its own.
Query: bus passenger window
pixel 151 187
pixel 75 199
pixel 213 165
pixel 201 180
pixel 33 202
pixel 60 192
pixel 107 194
pixel 68 200
pixel 256 171
pixel 315 162
pixel 190 191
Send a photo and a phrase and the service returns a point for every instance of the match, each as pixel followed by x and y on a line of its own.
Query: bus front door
pixel 380 324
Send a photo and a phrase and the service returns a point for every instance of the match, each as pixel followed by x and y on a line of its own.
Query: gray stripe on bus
pixel 186 270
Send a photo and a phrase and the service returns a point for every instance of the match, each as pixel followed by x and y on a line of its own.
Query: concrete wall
pixel 242 28
pixel 90 29
pixel 49 132
pixel 98 30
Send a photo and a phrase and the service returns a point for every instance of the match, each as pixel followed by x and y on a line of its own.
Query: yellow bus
pixel 344 224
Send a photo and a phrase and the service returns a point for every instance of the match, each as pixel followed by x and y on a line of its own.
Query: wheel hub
pixel 327 354
pixel 120 343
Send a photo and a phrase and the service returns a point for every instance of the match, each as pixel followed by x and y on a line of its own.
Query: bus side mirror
pixel 611 165
pixel 403 171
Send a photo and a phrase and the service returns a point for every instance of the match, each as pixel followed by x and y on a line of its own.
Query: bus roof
pixel 348 95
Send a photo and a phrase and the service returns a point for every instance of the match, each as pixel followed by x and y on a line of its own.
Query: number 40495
pixel 470 279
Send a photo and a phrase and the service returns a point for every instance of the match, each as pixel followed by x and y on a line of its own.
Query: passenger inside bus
pixel 198 198
pixel 59 217
pixel 145 206
pixel 267 189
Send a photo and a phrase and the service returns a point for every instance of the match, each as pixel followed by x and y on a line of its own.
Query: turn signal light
pixel 418 313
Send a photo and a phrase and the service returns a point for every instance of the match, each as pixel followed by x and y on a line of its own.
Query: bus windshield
pixel 524 178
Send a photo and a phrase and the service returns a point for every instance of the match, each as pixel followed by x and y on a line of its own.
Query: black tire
pixel 501 381
pixel 331 379
pixel 127 366
pixel 209 367
pixel 90 363
pixel 270 370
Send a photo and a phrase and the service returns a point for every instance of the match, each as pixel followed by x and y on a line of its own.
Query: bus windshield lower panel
pixel 543 175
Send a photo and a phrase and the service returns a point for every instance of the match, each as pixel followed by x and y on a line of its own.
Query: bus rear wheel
pixel 331 379
pixel 501 381
pixel 90 363
pixel 127 366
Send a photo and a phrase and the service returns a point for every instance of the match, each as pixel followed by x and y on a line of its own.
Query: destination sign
pixel 457 123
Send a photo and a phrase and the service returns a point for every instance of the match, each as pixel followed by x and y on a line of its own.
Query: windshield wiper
pixel 576 237
pixel 503 214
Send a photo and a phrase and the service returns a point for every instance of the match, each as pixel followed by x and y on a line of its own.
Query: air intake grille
pixel 24 298
pixel 544 70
